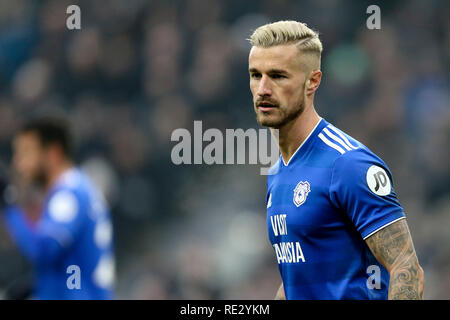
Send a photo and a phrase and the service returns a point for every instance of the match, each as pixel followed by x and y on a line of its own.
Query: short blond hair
pixel 287 32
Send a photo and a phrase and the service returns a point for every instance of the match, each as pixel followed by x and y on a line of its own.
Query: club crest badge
pixel 301 192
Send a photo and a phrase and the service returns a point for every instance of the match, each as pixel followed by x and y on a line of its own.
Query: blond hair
pixel 288 32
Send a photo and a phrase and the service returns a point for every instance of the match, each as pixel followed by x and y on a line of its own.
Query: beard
pixel 39 177
pixel 279 116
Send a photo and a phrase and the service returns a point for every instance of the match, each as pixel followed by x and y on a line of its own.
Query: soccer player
pixel 336 226
pixel 70 245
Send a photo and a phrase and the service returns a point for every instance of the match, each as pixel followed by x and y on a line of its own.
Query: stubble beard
pixel 40 178
pixel 282 118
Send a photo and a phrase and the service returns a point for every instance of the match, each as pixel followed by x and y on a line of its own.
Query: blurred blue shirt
pixel 74 237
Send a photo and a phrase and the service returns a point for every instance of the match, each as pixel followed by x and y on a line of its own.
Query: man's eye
pixel 278 76
pixel 255 75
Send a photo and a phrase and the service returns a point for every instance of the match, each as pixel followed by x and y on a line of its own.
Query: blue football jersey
pixel 321 206
pixel 71 246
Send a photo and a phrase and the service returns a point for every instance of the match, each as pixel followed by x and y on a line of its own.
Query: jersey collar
pixel 66 178
pixel 317 127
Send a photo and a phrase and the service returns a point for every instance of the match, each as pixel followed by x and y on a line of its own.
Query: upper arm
pixel 361 187
pixel 61 221
pixel 55 231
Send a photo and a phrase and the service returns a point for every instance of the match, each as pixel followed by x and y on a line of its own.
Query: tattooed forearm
pixel 406 280
pixel 393 247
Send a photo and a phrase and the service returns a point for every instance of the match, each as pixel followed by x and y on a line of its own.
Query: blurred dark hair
pixel 51 131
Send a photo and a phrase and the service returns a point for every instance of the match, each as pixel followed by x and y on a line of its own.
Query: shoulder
pixel 349 159
pixel 68 196
pixel 344 150
pixel 71 179
pixel 362 157
pixel 361 161
pixel 361 169
pixel 63 204
pixel 336 142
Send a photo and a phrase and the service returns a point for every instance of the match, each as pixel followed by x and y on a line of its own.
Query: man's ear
pixel 313 82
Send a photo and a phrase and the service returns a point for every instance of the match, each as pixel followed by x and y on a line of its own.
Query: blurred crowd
pixel 139 69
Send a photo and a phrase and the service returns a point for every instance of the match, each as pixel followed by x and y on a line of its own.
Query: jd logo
pixel 74 280
pixel 378 181
pixel 380 178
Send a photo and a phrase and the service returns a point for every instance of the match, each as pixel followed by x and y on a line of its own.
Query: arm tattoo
pixel 393 248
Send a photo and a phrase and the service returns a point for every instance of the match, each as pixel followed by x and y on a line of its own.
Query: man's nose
pixel 264 88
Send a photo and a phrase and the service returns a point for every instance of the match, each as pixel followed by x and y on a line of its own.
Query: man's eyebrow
pixel 279 71
pixel 271 71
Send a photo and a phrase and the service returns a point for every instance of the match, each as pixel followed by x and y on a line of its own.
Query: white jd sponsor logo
pixel 301 192
pixel 378 181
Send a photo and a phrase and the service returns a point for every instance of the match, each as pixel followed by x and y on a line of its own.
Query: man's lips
pixel 266 106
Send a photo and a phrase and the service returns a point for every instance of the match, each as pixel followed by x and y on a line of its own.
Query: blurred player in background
pixel 70 245
pixel 334 221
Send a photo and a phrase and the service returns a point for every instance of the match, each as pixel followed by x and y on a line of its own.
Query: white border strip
pixel 342 136
pixel 387 224
pixel 331 144
pixel 336 138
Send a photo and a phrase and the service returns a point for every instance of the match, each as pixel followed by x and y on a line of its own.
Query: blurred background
pixel 139 69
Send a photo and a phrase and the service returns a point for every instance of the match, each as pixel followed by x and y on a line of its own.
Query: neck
pixel 56 172
pixel 294 133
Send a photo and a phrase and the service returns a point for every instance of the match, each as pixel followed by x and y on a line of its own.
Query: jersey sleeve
pixel 54 233
pixel 361 186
